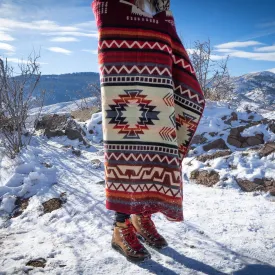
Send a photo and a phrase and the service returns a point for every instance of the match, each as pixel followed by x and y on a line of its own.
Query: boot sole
pixel 151 245
pixel 129 258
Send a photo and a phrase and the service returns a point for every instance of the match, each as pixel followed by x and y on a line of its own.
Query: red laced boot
pixel 146 229
pixel 126 242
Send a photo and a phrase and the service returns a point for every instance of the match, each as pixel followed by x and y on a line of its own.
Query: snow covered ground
pixel 226 231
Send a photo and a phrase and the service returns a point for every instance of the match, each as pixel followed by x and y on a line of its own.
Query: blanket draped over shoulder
pixel 151 104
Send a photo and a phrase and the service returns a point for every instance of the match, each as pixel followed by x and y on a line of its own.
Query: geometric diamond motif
pixel 132 114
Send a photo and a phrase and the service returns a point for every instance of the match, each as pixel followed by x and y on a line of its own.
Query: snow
pixel 226 231
pixel 94 126
pixel 258 129
pixel 64 107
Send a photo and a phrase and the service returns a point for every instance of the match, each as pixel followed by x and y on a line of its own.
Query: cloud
pixel 59 50
pixel 5 37
pixel 91 51
pixel 77 34
pixel 190 51
pixel 213 57
pixel 271 70
pixel 7 47
pixel 266 49
pixel 88 24
pixel 42 25
pixel 64 39
pixel 266 53
pixel 267 24
pixel 23 61
pixel 9 10
pixel 231 45
pixel 225 50
pixel 217 57
pixel 253 55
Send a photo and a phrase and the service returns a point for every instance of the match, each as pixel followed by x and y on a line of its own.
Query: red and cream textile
pixel 152 104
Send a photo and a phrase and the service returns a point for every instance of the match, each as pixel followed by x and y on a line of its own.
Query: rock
pixel 213 134
pixel 198 139
pixel 85 114
pixel 270 124
pixel 52 204
pixel 233 117
pixel 204 158
pixel 96 163
pixel 76 152
pixel 257 184
pixel 47 165
pixel 272 192
pixel 73 131
pixel 52 125
pixel 239 141
pixel 267 149
pixel 40 262
pixel 60 125
pixel 256 140
pixel 206 178
pixel 101 182
pixel 216 144
pixel 63 197
pixel 21 204
pixel 248 186
pixel 232 166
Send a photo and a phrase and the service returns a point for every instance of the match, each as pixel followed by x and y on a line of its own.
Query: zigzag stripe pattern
pixel 182 62
pixel 144 187
pixel 189 94
pixel 142 45
pixel 135 68
pixel 142 157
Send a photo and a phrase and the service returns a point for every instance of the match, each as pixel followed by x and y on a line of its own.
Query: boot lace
pixel 130 236
pixel 149 226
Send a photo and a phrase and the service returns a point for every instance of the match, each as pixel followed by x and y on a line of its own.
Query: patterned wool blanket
pixel 152 104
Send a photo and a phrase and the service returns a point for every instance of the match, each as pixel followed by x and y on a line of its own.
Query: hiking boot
pixel 146 230
pixel 126 242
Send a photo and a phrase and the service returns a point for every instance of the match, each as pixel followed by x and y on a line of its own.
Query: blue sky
pixel 65 33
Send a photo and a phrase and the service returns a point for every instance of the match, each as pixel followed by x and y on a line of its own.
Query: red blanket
pixel 152 104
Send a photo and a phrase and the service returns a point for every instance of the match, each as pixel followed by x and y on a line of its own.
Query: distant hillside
pixel 257 90
pixel 62 88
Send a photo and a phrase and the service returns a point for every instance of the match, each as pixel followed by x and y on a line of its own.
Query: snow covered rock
pixel 268 149
pixel 236 139
pixel 198 139
pixel 85 114
pixel 216 144
pixel 233 117
pixel 206 178
pixel 94 127
pixel 21 205
pixel 52 204
pixel 60 125
pixel 257 184
pixel 218 154
pixel 37 263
